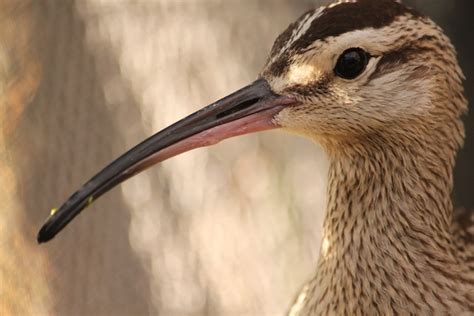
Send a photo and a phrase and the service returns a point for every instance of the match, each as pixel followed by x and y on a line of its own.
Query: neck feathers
pixel 388 244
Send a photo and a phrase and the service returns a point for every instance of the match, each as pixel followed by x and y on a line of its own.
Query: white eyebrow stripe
pixel 332 5
pixel 300 30
pixel 307 23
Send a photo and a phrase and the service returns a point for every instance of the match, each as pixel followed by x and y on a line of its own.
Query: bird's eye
pixel 352 63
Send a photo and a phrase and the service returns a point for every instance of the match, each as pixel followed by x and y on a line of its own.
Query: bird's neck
pixel 387 229
pixel 389 196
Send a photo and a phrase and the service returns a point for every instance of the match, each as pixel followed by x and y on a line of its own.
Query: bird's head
pixel 364 69
pixel 346 73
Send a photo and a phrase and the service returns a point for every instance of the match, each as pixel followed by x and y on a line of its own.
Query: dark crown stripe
pixel 352 16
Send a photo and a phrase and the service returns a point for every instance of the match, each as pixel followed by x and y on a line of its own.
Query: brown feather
pixel 392 243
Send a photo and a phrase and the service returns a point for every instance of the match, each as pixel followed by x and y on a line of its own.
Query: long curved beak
pixel 250 109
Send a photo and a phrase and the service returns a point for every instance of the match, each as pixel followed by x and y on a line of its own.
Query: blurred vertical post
pixel 459 25
pixel 23 271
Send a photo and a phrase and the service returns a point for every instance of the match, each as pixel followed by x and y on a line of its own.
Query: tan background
pixel 230 230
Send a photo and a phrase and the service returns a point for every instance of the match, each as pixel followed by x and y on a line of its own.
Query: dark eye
pixel 352 63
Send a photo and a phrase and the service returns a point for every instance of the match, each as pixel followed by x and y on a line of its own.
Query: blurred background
pixel 229 230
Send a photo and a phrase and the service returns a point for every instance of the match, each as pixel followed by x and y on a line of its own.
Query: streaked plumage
pixel 390 244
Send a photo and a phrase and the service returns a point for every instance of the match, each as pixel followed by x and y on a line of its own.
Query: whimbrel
pixel 378 86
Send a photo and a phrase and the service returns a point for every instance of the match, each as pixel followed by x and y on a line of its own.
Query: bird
pixel 378 86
